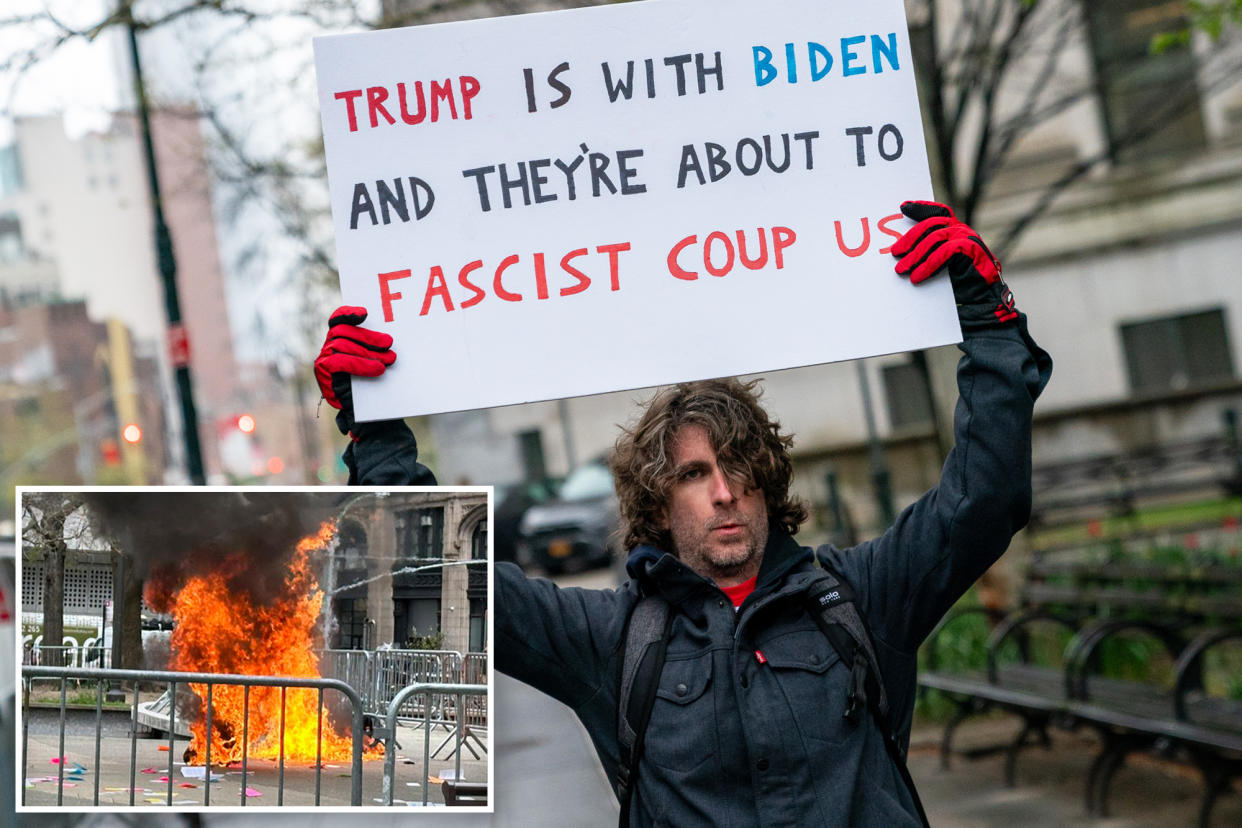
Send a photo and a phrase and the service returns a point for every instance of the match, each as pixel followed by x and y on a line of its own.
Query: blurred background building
pixel 1106 173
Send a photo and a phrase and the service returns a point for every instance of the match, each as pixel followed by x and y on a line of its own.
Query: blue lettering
pixel 819 51
pixel 791 63
pixel 764 73
pixel 848 56
pixel 889 50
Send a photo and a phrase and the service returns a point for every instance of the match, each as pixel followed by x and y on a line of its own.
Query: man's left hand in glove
pixel 937 240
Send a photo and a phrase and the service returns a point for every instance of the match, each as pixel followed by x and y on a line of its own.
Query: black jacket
pixel 739 741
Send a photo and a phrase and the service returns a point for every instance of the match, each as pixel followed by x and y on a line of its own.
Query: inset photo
pixel 302 648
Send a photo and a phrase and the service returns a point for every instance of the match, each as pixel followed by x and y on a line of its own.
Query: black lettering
pixel 387 199
pixel 519 183
pixel 625 173
pixel 599 174
pixel 679 63
pixel 703 72
pixel 362 204
pixel 622 87
pixel 421 208
pixel 480 176
pixel 689 162
pixel 858 133
pixel 889 129
pixel 555 83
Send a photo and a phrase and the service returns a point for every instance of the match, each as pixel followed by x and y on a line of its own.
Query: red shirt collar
pixel 737 594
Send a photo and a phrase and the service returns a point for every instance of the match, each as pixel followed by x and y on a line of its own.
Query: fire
pixel 221 630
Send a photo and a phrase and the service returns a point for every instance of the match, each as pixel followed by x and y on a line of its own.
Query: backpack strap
pixel 646 643
pixel 832 603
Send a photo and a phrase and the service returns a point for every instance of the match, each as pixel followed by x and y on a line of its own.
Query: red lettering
pixel 888 231
pixel 853 252
pixel 479 293
pixel 584 281
pixel 421 112
pixel 442 92
pixel 469 88
pixel 707 254
pixel 348 98
pixel 614 256
pixel 376 95
pixel 387 297
pixel 676 269
pixel 498 288
pixel 541 277
pixel 782 237
pixel 436 286
pixel 753 264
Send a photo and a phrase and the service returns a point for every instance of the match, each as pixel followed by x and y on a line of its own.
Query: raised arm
pixel 380 453
pixel 941 544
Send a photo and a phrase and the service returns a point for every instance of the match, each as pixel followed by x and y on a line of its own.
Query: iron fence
pixel 379 675
pixel 66 655
pixel 460 709
pixel 208 685
pixel 458 692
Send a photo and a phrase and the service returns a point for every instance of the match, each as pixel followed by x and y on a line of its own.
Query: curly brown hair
pixel 749 446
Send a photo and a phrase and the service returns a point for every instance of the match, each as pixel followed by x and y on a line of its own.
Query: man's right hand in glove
pixel 349 350
pixel 380 453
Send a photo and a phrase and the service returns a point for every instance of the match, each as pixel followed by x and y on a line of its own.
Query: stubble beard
pixel 698 550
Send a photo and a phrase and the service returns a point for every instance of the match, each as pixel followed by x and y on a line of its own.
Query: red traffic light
pixel 111 452
pixel 132 434
pixel 246 424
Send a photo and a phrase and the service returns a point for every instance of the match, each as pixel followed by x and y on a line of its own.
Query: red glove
pixel 350 350
pixel 939 239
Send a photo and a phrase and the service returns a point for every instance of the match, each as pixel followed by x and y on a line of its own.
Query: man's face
pixel 719 526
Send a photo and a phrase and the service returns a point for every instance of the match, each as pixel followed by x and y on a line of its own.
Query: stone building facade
pixel 403 558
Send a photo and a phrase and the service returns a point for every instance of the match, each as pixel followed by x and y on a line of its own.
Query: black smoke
pixel 172 536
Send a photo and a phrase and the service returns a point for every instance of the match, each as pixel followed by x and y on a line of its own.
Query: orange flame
pixel 222 631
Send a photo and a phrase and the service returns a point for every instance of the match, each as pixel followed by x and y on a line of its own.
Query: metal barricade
pixel 357 669
pixel 474 671
pixel 210 684
pixel 458 693
pixel 87 655
pixel 398 669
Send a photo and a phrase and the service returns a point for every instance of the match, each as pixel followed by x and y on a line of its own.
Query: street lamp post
pixel 179 350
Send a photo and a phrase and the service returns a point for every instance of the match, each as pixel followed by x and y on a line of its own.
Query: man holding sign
pixel 739 678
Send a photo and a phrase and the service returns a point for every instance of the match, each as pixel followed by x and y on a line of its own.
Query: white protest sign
pixel 568 203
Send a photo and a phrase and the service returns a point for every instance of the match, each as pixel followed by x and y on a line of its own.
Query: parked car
pixel 512 503
pixel 577 529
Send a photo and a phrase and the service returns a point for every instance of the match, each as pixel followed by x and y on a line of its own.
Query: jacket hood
pixel 656 570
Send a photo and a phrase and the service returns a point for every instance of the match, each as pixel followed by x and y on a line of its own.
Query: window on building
pixel 420 533
pixel 1150 102
pixel 353 551
pixel 478 542
pixel 905 389
pixel 351 617
pixel 415 619
pixel 478 625
pixel 11 179
pixel 11 248
pixel 1176 352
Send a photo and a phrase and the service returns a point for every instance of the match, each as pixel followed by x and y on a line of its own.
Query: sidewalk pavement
pixel 1050 790
pixel 262 786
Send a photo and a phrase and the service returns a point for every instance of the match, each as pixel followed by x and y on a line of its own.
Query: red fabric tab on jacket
pixel 737 594
pixel 760 657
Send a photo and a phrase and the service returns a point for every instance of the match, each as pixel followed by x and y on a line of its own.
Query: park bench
pixel 1184 611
